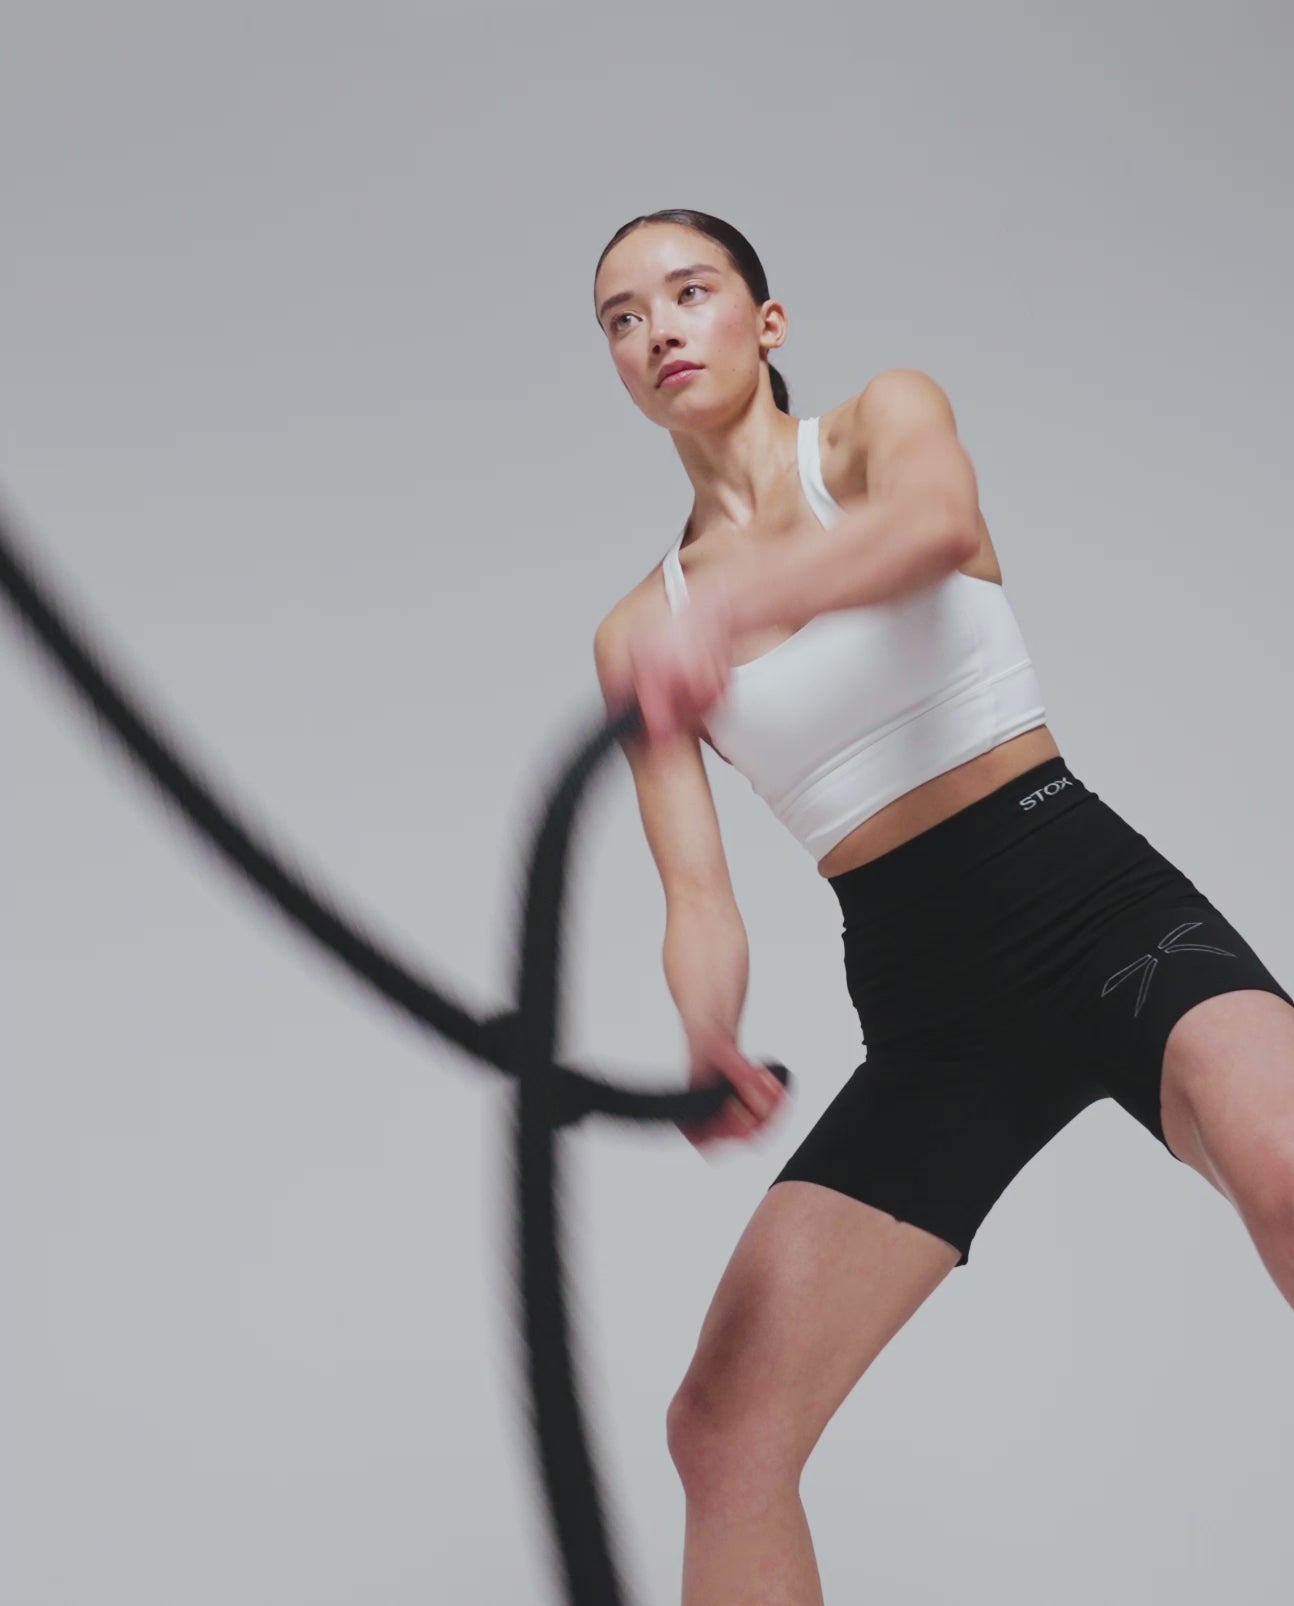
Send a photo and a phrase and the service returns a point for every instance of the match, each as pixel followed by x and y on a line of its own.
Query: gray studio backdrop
pixel 301 389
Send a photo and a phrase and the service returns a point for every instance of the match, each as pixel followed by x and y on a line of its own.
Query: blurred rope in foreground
pixel 521 1042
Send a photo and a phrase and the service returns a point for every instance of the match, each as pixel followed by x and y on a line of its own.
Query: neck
pixel 738 468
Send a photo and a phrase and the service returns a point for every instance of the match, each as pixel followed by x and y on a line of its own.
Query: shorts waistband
pixel 983 828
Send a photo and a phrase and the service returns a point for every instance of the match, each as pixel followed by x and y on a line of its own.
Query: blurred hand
pixel 715 1057
pixel 676 665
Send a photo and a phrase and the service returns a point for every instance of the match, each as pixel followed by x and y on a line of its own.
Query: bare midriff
pixel 936 800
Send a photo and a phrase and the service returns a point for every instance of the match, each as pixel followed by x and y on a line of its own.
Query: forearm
pixel 878 551
pixel 707 964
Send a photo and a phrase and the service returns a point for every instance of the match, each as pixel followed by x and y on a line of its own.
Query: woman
pixel 832 621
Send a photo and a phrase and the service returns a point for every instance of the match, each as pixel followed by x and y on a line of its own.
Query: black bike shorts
pixel 1010 966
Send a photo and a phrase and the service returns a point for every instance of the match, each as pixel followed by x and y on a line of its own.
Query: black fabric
pixel 1009 966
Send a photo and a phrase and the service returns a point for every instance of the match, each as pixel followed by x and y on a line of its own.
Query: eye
pixel 614 325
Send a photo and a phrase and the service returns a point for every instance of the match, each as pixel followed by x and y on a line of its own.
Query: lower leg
pixel 749 1546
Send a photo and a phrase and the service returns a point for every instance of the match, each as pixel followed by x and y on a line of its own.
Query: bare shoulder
pixel 646 597
pixel 894 399
pixel 610 637
pixel 609 643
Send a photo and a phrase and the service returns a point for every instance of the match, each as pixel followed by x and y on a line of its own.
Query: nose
pixel 661 340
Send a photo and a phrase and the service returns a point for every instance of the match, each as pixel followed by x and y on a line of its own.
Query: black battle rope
pixel 521 1043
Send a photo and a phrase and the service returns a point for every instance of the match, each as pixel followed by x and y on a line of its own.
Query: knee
pixel 1266 1195
pixel 687 1425
pixel 717 1443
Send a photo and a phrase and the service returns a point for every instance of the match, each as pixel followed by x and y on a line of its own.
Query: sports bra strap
pixel 809 452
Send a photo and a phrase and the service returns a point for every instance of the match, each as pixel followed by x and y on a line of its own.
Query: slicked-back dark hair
pixel 741 253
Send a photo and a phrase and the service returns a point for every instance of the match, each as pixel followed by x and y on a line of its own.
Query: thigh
pixel 1147 970
pixel 870 1214
pixel 816 1287
pixel 934 1137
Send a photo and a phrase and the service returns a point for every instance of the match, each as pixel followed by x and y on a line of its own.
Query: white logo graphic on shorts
pixel 1044 792
pixel 1148 964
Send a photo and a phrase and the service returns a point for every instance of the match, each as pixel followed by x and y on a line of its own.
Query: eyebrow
pixel 678 273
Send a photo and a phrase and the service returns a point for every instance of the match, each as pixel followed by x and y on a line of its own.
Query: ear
pixel 773 327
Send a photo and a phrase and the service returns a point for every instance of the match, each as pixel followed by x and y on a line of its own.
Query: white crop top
pixel 861 705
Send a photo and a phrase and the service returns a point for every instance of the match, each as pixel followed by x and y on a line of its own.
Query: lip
pixel 674 370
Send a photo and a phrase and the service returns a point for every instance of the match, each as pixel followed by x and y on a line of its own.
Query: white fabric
pixel 862 704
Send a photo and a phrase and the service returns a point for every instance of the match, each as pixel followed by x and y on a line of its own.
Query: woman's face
pixel 676 298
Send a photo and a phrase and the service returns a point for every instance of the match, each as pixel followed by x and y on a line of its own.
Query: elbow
pixel 954 500
pixel 960 532
pixel 947 517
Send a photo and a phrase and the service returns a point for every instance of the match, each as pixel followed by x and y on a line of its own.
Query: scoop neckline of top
pixel 801 423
